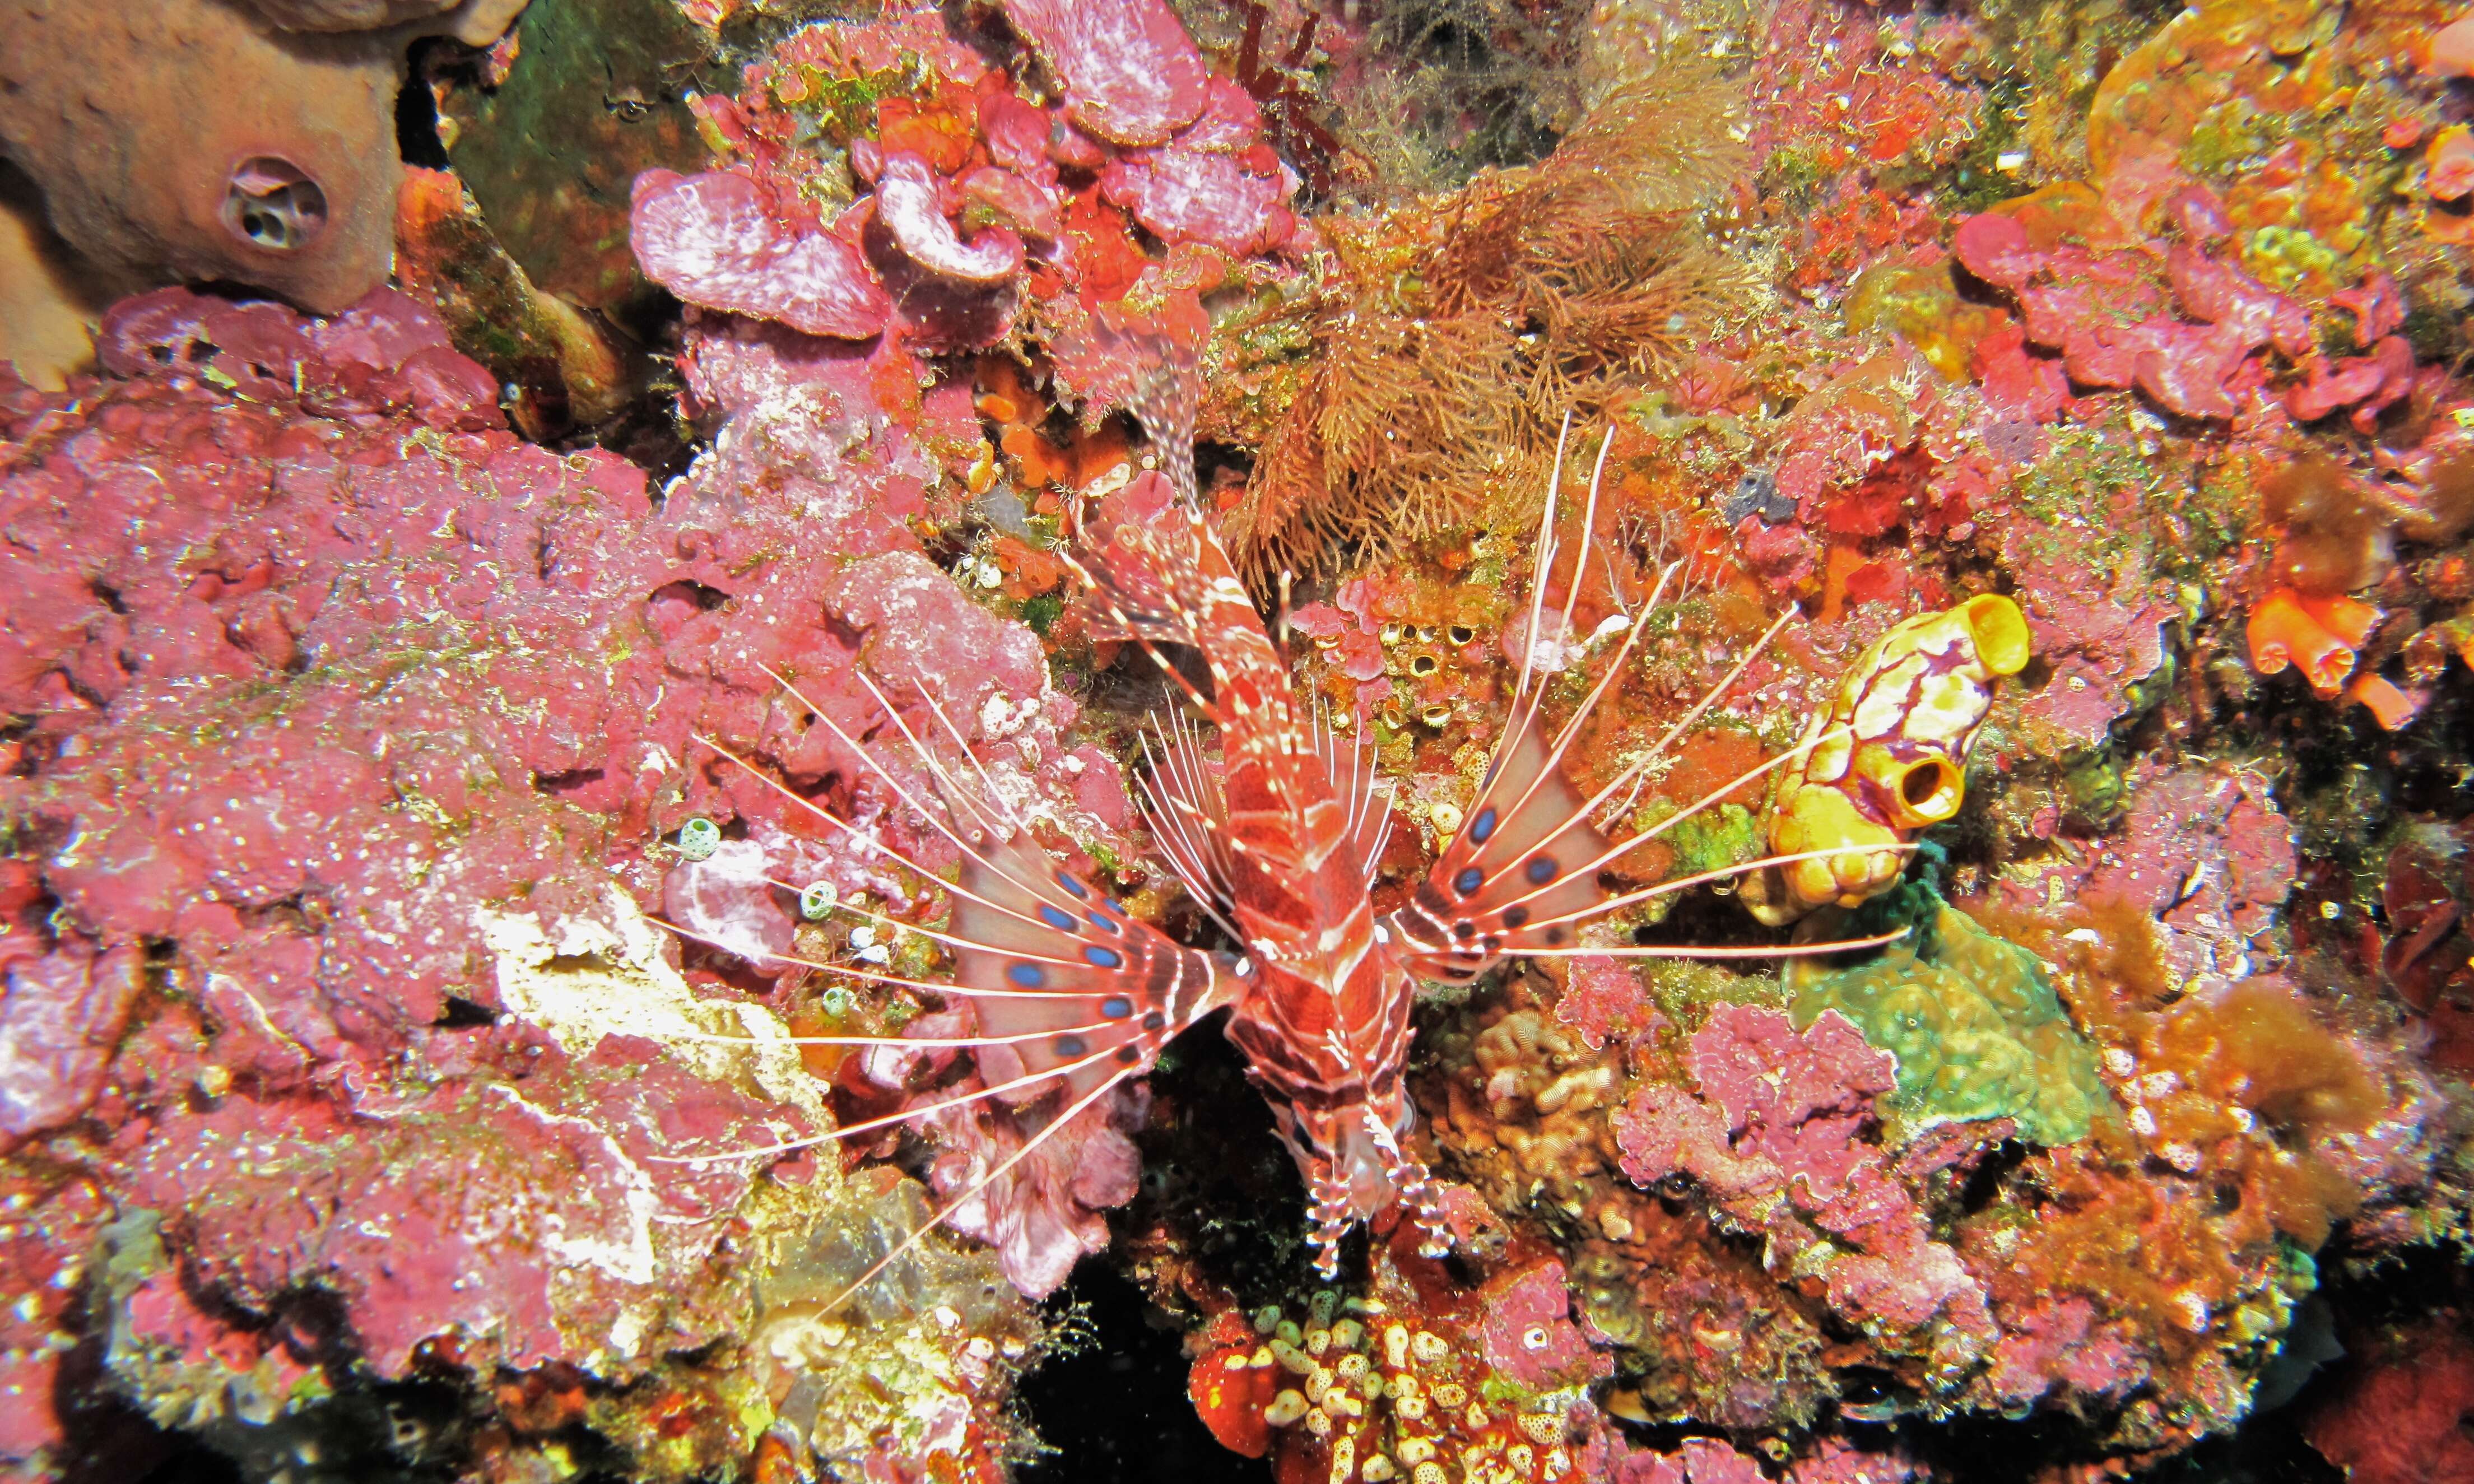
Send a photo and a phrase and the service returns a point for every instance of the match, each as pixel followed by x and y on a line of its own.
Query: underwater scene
pixel 1422 741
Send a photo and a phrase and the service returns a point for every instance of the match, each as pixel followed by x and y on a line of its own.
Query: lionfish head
pixel 1349 1150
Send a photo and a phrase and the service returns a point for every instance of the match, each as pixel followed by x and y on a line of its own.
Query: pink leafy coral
pixel 906 204
pixel 1132 74
pixel 713 240
pixel 1216 182
pixel 2115 324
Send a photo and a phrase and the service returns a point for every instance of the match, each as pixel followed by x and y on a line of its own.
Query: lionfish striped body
pixel 1282 853
pixel 1279 845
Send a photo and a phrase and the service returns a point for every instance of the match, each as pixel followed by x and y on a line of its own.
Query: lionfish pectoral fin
pixel 1040 949
pixel 1524 864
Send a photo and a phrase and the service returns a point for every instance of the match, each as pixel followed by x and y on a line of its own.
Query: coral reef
pixel 1773 1138
pixel 2088 376
pixel 1409 1381
pixel 1976 1027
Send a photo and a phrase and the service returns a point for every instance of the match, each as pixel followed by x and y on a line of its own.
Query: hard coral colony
pixel 1793 676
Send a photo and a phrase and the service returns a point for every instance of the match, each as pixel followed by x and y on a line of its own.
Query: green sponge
pixel 1976 1027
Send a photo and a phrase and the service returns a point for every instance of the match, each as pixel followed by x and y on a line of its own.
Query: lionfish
pixel 1280 848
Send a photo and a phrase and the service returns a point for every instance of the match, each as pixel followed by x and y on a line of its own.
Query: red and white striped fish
pixel 1278 844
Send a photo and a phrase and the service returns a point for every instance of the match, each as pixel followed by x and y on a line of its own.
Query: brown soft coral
pixel 1459 333
pixel 196 140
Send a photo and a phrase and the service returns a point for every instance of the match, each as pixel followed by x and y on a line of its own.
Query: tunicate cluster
pixel 1385 1396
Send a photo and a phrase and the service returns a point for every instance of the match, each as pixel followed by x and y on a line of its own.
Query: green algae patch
pixel 1975 1024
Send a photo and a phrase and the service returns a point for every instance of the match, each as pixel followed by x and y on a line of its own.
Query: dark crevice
pixel 416 115
pixel 462 1014
pixel 569 782
pixel 1114 1410
pixel 703 598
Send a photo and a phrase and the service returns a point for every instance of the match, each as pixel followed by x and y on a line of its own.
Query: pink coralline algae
pixel 2115 324
pixel 1527 1333
pixel 2101 619
pixel 712 241
pixel 1710 1461
pixel 1349 628
pixel 2060 1339
pixel 975 213
pixel 1215 182
pixel 1776 1141
pixel 1699 1461
pixel 906 204
pixel 64 1013
pixel 383 355
pixel 2204 850
pixel 353 740
pixel 416 1247
pixel 801 421
pixel 1132 74
pixel 1602 1001
pixel 2369 384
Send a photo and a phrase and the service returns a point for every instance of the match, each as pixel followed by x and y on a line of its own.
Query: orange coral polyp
pixel 2388 706
pixel 2283 632
pixel 2348 619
